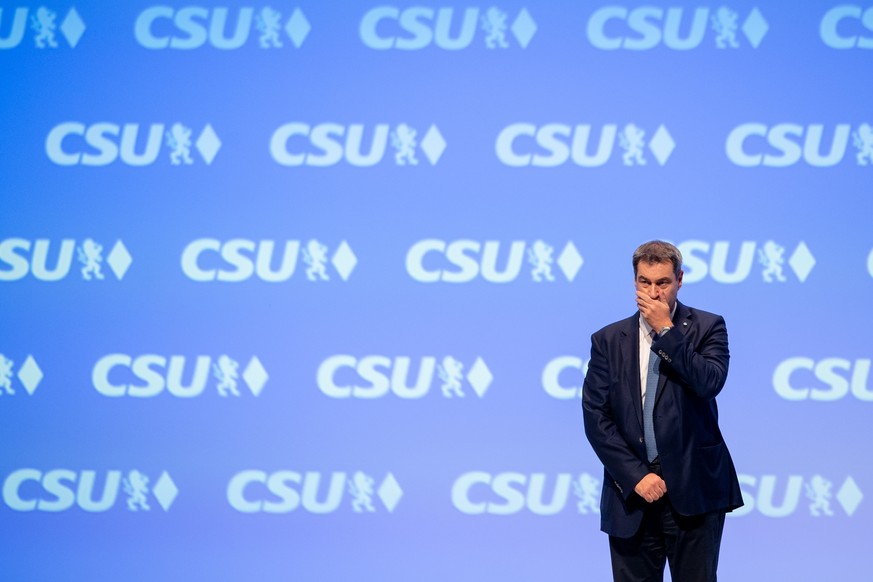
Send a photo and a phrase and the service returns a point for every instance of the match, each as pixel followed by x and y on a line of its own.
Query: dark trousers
pixel 689 543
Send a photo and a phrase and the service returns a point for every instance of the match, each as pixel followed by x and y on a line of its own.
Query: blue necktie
pixel 649 406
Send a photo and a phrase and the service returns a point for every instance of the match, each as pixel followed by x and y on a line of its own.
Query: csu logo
pixel 327 144
pixel 479 492
pixel 345 376
pixel 62 489
pixel 646 27
pixel 191 27
pixel 825 380
pixel 148 375
pixel 20 257
pixel 774 496
pixel 29 375
pixel 462 261
pixel 563 376
pixel 704 259
pixel 100 144
pixel 255 491
pixel 847 26
pixel 785 144
pixel 555 144
pixel 417 27
pixel 207 259
pixel 44 25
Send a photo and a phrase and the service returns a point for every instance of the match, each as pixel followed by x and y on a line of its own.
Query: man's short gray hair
pixel 658 251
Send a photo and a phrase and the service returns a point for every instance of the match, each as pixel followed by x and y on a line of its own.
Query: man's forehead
pixel 652 270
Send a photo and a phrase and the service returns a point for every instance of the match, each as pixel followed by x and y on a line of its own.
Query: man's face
pixel 658 281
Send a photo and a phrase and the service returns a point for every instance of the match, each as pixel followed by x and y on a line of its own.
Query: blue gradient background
pixel 471 95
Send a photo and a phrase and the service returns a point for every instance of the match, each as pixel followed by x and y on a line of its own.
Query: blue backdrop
pixel 304 291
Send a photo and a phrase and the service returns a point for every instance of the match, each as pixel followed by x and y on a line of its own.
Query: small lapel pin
pixel 684 323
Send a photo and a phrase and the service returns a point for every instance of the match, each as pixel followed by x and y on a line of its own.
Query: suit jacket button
pixel 642 440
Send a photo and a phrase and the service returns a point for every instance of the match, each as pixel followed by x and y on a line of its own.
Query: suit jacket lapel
pixel 630 353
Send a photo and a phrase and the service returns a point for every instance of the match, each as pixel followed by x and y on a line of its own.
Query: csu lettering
pixel 702 259
pixel 564 367
pixel 154 373
pixel 238 260
pixel 468 259
pixel 842 27
pixel 387 27
pixel 191 27
pixel 100 144
pixel 643 28
pixel 19 256
pixel 255 491
pixel 785 144
pixel 59 489
pixel 380 376
pixel 836 378
pixel 478 492
pixel 16 31
pixel 553 144
pixel 326 144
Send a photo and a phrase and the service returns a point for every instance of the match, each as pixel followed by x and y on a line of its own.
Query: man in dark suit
pixel 650 414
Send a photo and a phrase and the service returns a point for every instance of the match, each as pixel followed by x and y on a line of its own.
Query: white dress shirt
pixel 646 341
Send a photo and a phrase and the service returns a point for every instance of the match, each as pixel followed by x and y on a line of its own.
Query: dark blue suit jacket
pixel 695 461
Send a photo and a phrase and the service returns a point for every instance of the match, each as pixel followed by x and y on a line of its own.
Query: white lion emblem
pixel 226 371
pixel 863 141
pixel 315 255
pixel 450 372
pixel 361 489
pixel 6 375
pixel 585 489
pixel 771 257
pixel 136 487
pixel 494 25
pixel 43 23
pixel 91 256
pixel 179 140
pixel 268 24
pixel 818 490
pixel 403 140
pixel 632 141
pixel 540 257
pixel 724 22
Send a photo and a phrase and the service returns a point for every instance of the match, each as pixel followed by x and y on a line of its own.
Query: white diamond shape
pixel 344 260
pixel 297 28
pixel 208 144
pixel 662 145
pixel 255 376
pixel 480 377
pixel 30 375
pixel 73 27
pixel 390 492
pixel 433 144
pixel 165 491
pixel 850 496
pixel 802 261
pixel 570 261
pixel 524 28
pixel 119 260
pixel 755 27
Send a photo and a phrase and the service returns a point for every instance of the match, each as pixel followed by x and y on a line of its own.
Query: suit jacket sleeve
pixel 611 447
pixel 703 370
